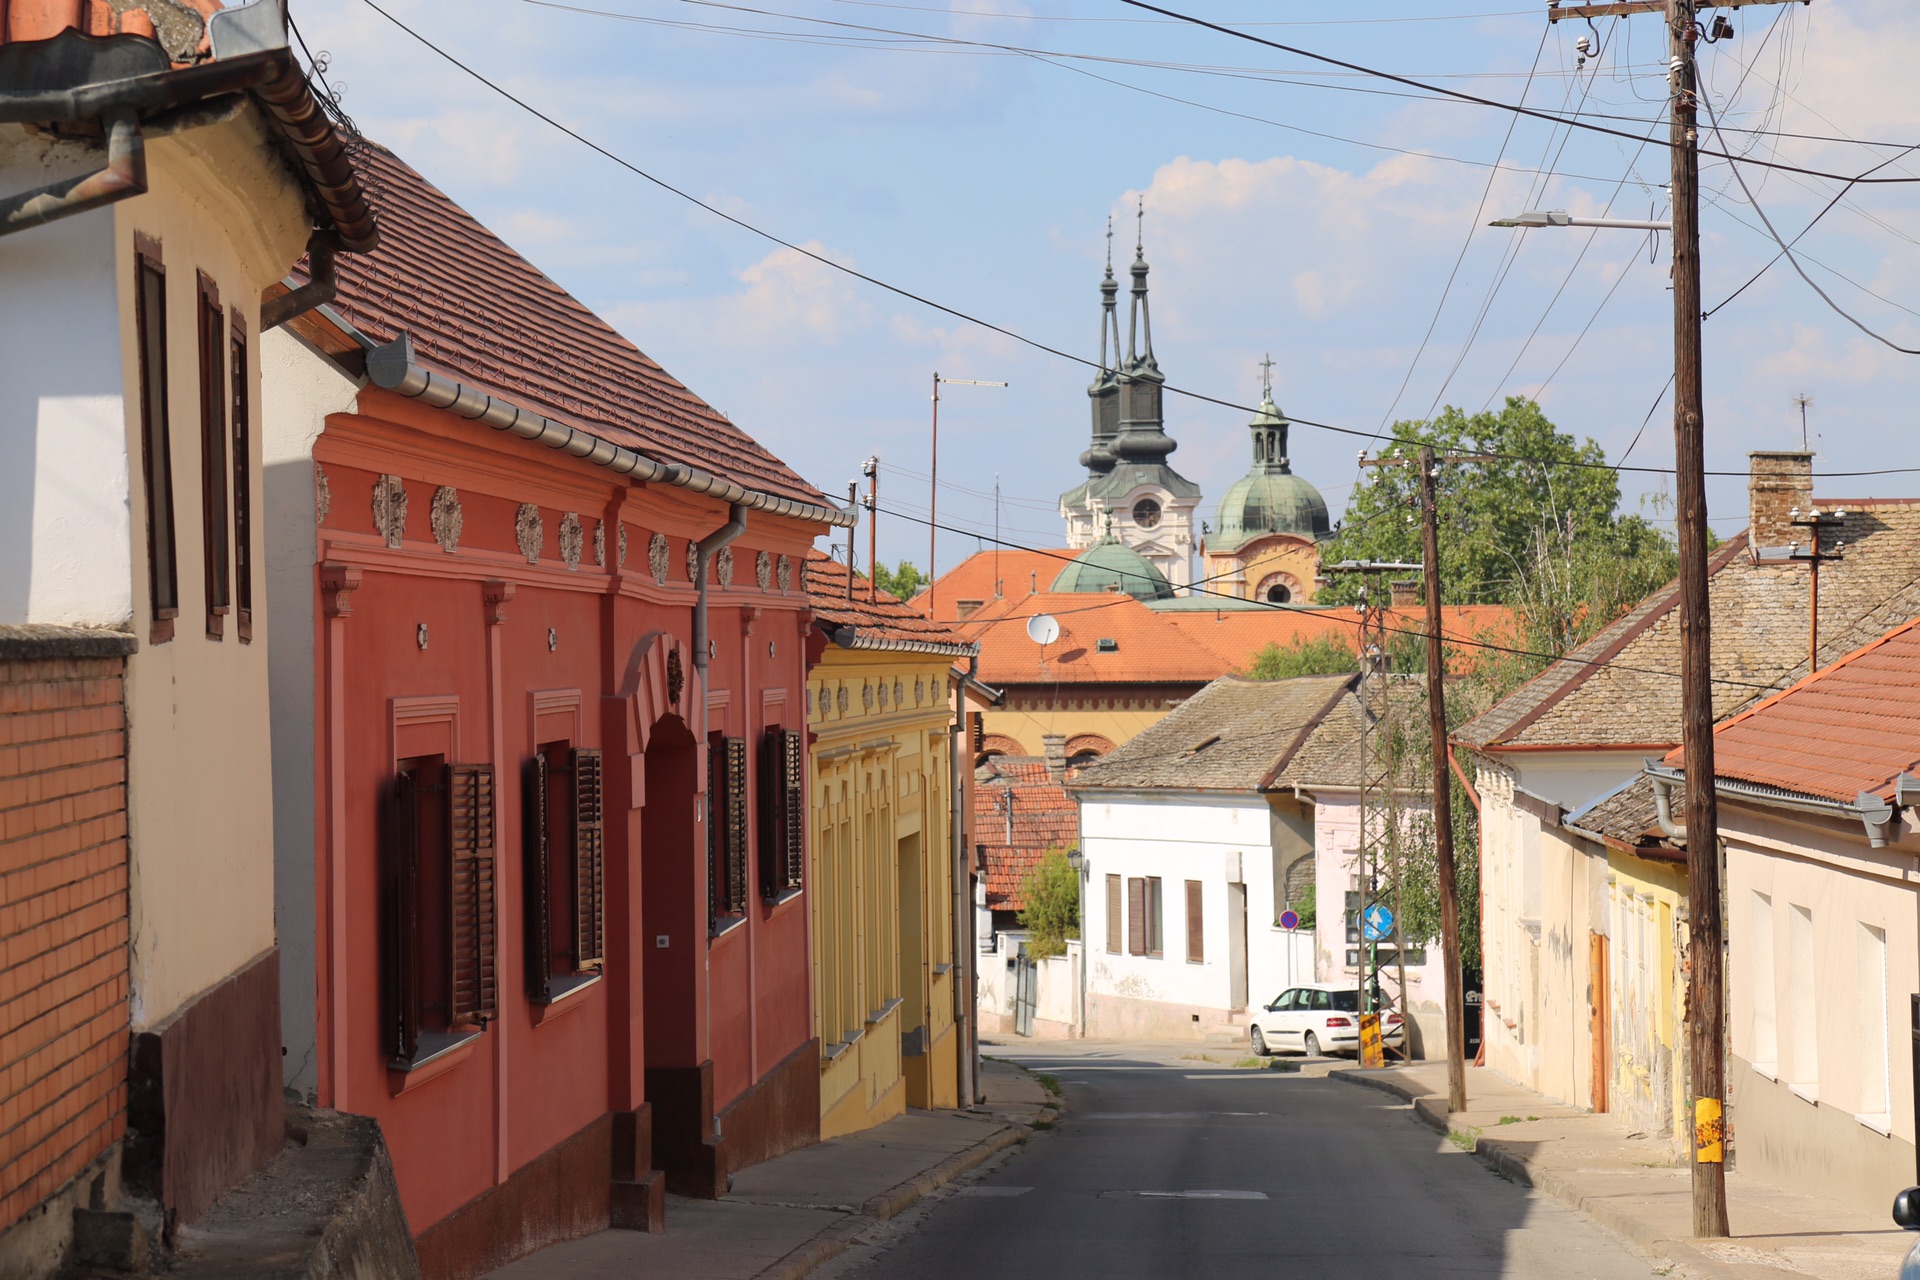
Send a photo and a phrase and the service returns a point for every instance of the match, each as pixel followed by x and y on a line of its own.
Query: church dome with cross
pixel 1271 521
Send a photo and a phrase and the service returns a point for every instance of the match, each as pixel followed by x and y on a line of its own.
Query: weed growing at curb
pixel 1509 1119
pixel 1050 1083
pixel 1043 1124
pixel 1465 1139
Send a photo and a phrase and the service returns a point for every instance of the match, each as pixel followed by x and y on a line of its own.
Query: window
pixel 783 801
pixel 241 371
pixel 1196 932
pixel 1278 594
pixel 1143 915
pixel 213 457
pixel 437 907
pixel 1116 915
pixel 1871 982
pixel 156 448
pixel 1765 1050
pixel 565 866
pixel 1804 1070
pixel 1320 1001
pixel 1146 513
pixel 726 830
pixel 1285 1002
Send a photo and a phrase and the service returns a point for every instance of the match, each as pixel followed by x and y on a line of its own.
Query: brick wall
pixel 63 908
pixel 1777 485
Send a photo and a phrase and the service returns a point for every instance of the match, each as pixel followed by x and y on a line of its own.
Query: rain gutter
pixel 854 638
pixel 1876 816
pixel 392 367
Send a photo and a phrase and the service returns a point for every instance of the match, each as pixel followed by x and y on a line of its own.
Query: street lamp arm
pixel 1561 218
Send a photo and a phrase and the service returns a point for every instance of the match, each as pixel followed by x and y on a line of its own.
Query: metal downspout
pixel 321 286
pixel 704 550
pixel 1663 805
pixel 125 175
pixel 965 946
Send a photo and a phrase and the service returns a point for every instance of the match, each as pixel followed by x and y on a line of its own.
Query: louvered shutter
pixel 773 824
pixel 1136 916
pixel 1116 914
pixel 538 859
pixel 401 873
pixel 793 772
pixel 1196 948
pixel 736 818
pixel 716 837
pixel 589 860
pixel 476 988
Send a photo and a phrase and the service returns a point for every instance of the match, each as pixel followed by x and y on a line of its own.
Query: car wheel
pixel 1312 1045
pixel 1260 1044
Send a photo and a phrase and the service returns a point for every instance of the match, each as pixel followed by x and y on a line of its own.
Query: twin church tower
pixel 1133 518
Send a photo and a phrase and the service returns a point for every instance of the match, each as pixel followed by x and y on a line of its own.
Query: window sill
pixel 942 970
pixel 1767 1070
pixel 884 1012
pixel 782 897
pixel 440 1052
pixel 724 926
pixel 1881 1123
pixel 1805 1092
pixel 561 999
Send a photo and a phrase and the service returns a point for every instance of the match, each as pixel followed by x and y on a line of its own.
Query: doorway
pixel 672 940
pixel 1237 945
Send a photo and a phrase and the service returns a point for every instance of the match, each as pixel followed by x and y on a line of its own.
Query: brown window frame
pixel 1116 915
pixel 783 810
pixel 1144 906
pixel 1196 923
pixel 241 378
pixel 565 868
pixel 727 838
pixel 212 329
pixel 439 935
pixel 156 438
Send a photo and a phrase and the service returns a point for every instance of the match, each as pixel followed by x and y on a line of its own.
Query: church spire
pixel 1142 437
pixel 1269 427
pixel 1105 389
pixel 1139 322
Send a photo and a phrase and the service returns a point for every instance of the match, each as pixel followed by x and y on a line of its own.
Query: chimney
pixel 1055 747
pixel 1780 484
pixel 1408 595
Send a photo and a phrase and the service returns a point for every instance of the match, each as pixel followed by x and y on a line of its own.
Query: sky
pixel 972 153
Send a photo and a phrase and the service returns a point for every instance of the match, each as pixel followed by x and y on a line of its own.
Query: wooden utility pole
pixel 1815 524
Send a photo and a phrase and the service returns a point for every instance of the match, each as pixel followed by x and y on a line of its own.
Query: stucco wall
pixel 1028 727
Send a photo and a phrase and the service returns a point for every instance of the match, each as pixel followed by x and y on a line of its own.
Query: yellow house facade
pixel 880 857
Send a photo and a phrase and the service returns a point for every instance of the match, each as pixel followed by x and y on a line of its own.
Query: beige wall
pixel 1244 572
pixel 1646 926
pixel 1028 728
pixel 1822 1097
pixel 200 785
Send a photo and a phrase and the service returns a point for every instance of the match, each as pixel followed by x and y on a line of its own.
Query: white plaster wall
pixel 299 388
pixel 200 782
pixel 63 447
pixel 1574 779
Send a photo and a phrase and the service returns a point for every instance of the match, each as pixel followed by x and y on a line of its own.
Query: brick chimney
pixel 1780 483
pixel 1055 747
pixel 1408 594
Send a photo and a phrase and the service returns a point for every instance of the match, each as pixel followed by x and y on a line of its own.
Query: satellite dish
pixel 1042 629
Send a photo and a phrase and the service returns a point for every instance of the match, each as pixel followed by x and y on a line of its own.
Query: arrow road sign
pixel 1377 923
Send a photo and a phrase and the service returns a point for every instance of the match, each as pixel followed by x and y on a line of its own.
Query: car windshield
pixel 1346 1001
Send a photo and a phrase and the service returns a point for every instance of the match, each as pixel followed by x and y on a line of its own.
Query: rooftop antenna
pixel 997 583
pixel 1802 402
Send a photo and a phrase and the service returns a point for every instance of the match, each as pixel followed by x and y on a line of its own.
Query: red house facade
pixel 540 871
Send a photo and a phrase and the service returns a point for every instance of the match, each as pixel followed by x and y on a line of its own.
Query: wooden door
pixel 1599 1024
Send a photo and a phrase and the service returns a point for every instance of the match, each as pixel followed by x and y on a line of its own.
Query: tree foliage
pixel 903 581
pixel 1052 914
pixel 1306 656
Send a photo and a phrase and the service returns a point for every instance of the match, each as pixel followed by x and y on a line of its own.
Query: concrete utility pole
pixel 1706 987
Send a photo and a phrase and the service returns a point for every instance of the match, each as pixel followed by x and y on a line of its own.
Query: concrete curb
pixel 1503 1160
pixel 834 1240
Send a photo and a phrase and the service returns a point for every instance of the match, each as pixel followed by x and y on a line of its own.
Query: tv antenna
pixel 1802 402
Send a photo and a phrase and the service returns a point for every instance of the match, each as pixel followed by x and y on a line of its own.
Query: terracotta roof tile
pixel 1019 814
pixel 480 313
pixel 1621 688
pixel 1147 647
pixel 41 20
pixel 1015 574
pixel 872 614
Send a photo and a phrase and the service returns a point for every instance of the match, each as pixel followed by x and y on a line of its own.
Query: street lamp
pixel 1561 218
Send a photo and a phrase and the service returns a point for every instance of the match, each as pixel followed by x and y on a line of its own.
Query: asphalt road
pixel 1166 1165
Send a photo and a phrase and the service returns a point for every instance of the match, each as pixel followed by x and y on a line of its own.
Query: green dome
pixel 1267 502
pixel 1108 565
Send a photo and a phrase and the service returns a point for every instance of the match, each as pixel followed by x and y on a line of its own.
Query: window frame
pixel 156 439
pixel 564 868
pixel 240 378
pixel 783 800
pixel 727 838
pixel 1116 914
pixel 1196 922
pixel 210 326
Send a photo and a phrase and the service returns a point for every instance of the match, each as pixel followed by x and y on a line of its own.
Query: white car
pixel 1318 1018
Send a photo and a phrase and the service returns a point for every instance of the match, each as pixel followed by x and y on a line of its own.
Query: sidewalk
pixel 787 1216
pixel 1631 1186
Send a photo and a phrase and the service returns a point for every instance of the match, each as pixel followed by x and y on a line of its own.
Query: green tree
pixel 1316 656
pixel 902 582
pixel 1052 914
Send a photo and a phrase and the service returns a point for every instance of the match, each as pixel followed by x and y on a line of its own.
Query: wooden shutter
pixel 736 826
pixel 1136 916
pixel 476 989
pixel 589 860
pixel 773 835
pixel 213 456
pixel 156 446
pixel 239 375
pixel 1116 914
pixel 1154 906
pixel 716 838
pixel 400 871
pixel 538 860
pixel 1196 948
pixel 793 772
pixel 977 731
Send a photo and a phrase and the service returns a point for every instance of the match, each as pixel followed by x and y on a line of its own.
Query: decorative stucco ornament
pixel 445 517
pixel 866 696
pixel 322 496
pixel 786 574
pixel 600 543
pixel 622 561
pixel 723 567
pixel 883 693
pixel 919 692
pixel 657 557
pixel 676 675
pixel 527 531
pixel 826 701
pixel 693 562
pixel 763 570
pixel 899 693
pixel 845 698
pixel 390 509
pixel 573 538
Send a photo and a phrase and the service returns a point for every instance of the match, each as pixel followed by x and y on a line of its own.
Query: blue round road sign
pixel 1377 922
pixel 1289 919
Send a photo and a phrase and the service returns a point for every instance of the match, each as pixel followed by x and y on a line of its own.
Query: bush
pixel 1052 914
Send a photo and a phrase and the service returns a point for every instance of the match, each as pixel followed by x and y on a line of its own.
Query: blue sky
pixel 983 177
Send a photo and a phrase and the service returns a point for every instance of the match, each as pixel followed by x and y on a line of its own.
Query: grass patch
pixel 1046 1123
pixel 1252 1064
pixel 1465 1139
pixel 1509 1119
pixel 1050 1083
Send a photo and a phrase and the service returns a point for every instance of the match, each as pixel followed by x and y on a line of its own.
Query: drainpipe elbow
pixel 704 551
pixel 1663 806
pixel 321 286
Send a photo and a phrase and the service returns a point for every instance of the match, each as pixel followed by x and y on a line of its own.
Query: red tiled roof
pixel 482 314
pixel 986 575
pixel 874 615
pixel 1148 647
pixel 42 19
pixel 1020 814
pixel 1851 727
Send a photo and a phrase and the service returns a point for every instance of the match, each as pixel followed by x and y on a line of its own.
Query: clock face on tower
pixel 1146 513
